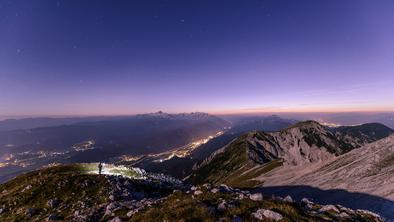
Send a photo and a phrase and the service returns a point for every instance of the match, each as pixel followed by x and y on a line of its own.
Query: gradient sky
pixel 76 57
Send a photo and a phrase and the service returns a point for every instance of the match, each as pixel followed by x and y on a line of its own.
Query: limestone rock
pixel 262 214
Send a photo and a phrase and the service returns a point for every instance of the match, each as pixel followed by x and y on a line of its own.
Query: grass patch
pixel 246 179
pixel 386 162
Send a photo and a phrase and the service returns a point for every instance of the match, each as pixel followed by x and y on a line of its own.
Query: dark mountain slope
pixel 362 134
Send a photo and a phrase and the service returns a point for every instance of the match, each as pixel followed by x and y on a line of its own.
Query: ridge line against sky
pixel 125 57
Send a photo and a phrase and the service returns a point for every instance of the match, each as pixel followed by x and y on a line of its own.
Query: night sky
pixel 76 57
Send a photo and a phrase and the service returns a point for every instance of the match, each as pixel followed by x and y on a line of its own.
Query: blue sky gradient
pixel 81 57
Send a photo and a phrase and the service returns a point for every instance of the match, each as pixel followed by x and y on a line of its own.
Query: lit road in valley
pixel 180 152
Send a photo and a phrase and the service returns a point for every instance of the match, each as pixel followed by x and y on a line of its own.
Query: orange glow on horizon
pixel 304 110
pixel 216 111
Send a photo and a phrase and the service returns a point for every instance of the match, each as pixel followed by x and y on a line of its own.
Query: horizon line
pixel 26 116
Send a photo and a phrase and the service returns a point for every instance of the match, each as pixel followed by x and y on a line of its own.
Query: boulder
pixel 241 196
pixel 198 192
pixel 256 197
pixel 110 208
pixel 222 206
pixel 214 190
pixel 132 212
pixel 309 205
pixel 345 209
pixel 262 214
pixel 207 186
pixel 224 188
pixel 28 187
pixel 288 199
pixel 306 201
pixel 343 216
pixel 328 208
pixel 116 219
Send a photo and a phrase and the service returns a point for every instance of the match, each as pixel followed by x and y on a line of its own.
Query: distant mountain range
pixel 36 122
pixel 133 135
pixel 26 149
pixel 40 122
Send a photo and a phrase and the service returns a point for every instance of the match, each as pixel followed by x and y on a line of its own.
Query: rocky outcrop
pixel 338 212
pixel 222 201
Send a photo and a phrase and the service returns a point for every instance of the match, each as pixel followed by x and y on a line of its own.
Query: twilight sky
pixel 79 57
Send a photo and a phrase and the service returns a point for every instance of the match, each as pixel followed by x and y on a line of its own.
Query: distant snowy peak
pixel 188 116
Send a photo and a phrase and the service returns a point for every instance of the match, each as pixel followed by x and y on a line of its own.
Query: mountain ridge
pixel 300 144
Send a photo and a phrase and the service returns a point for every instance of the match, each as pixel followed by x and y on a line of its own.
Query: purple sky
pixel 77 57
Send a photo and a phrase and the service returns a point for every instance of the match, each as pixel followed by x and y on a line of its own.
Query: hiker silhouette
pixel 100 167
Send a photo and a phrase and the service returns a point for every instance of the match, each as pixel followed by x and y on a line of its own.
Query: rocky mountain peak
pixel 259 152
pixel 188 116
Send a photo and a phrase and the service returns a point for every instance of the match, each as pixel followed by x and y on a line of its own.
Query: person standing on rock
pixel 100 167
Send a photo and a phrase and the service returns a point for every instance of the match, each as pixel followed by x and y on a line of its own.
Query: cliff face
pixel 368 169
pixel 365 170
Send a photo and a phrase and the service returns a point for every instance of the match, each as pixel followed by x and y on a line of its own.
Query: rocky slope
pixel 68 193
pixel 257 153
pixel 368 169
pixel 362 169
pixel 223 203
